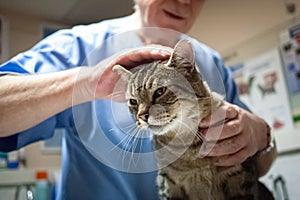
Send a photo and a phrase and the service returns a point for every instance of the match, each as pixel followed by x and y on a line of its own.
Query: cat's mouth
pixel 161 126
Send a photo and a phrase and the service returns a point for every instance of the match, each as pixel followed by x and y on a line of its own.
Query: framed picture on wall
pixel 290 51
pixel 4 39
pixel 262 87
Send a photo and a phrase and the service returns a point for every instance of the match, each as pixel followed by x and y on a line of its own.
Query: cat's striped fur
pixel 170 98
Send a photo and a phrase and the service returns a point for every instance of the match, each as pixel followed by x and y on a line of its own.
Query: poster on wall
pixel 262 87
pixel 290 51
pixel 4 39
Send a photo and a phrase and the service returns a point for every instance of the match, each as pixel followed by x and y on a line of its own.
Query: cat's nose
pixel 144 117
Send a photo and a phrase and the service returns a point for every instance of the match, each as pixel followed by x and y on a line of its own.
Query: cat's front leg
pixel 163 185
pixel 167 188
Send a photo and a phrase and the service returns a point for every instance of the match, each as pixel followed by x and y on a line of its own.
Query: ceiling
pixel 222 24
pixel 70 12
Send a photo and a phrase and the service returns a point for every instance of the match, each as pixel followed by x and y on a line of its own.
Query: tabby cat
pixel 170 98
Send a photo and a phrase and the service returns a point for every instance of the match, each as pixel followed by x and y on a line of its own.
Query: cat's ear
pixel 183 56
pixel 124 73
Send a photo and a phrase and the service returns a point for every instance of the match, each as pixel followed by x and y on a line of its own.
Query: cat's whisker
pixel 133 143
pixel 134 146
pixel 195 132
pixel 118 93
pixel 200 135
pixel 126 139
pixel 140 150
pixel 131 128
pixel 130 138
pixel 125 129
pixel 126 146
pixel 128 129
pixel 182 139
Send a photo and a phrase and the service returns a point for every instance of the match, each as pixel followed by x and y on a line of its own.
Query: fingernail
pixel 155 51
pixel 164 52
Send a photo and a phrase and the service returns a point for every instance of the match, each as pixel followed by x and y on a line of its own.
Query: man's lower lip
pixel 173 16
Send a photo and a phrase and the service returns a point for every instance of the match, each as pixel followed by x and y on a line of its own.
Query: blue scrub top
pixel 100 160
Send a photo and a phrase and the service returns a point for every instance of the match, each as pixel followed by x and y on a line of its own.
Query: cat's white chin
pixel 156 130
pixel 163 129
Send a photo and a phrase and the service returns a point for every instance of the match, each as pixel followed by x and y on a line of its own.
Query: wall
pixel 257 44
pixel 226 25
pixel 24 31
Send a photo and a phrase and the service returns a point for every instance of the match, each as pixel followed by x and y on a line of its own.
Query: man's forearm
pixel 27 100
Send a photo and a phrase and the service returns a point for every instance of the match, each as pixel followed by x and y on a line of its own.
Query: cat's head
pixel 161 95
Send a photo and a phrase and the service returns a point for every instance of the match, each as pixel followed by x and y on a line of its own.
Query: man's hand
pixel 242 135
pixel 104 83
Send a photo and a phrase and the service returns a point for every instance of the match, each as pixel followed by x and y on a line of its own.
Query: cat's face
pixel 160 95
pixel 155 101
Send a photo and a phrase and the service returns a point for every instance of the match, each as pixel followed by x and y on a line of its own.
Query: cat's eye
pixel 159 92
pixel 133 102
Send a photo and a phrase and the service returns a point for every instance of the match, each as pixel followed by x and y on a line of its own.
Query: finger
pixel 119 90
pixel 232 111
pixel 160 54
pixel 147 56
pixel 222 131
pixel 233 159
pixel 228 146
pixel 138 57
pixel 226 111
